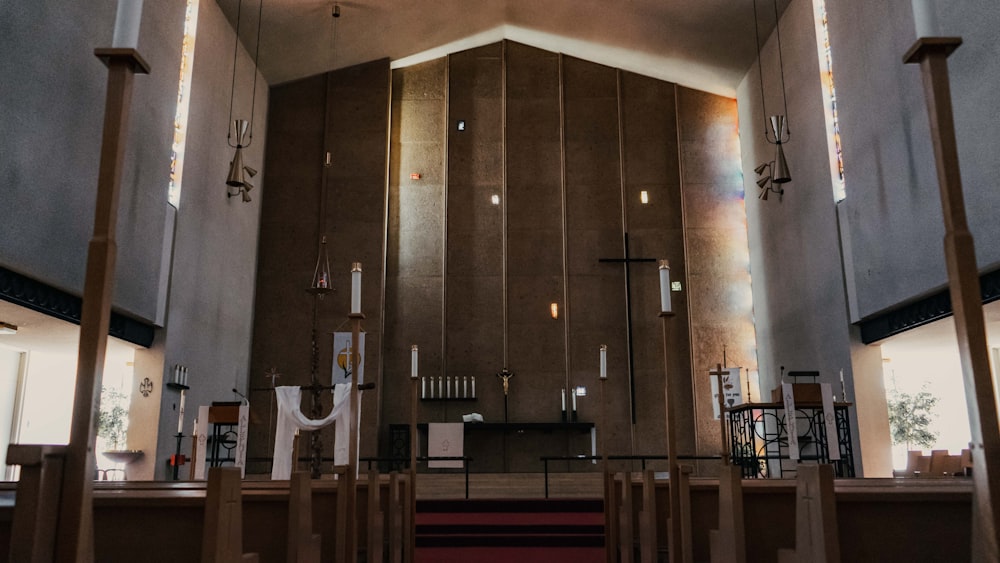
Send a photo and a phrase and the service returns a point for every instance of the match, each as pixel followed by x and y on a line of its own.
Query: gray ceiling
pixel 703 44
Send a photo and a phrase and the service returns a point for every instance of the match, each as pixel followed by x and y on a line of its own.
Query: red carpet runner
pixel 504 531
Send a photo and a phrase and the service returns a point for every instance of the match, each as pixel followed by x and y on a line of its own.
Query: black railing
pixel 641 458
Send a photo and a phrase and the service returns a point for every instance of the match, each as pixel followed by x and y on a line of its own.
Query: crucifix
pixel 505 375
pixel 628 260
pixel 723 434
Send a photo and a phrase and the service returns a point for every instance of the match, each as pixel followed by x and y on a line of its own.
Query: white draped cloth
pixel 290 419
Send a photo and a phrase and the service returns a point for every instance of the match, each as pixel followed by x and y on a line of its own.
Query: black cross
pixel 627 260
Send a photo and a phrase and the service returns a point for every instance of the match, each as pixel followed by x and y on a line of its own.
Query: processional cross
pixel 723 431
pixel 628 260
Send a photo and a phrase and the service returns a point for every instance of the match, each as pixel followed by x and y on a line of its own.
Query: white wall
pixel 210 310
pixel 893 209
pixel 51 110
pixel 10 368
pixel 800 306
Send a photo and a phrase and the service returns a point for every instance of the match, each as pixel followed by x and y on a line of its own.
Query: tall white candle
pixel 423 387
pixel 440 394
pixel 127 19
pixel 564 400
pixel 604 361
pixel 180 415
pixel 573 393
pixel 413 361
pixel 473 387
pixel 447 387
pixel 665 286
pixel 465 386
pixel 925 18
pixel 843 387
pixel 356 288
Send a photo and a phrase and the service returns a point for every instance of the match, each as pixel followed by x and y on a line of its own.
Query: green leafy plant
pixel 113 417
pixel 910 416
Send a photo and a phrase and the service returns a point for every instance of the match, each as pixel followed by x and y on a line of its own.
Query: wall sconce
pixel 580 391
pixel 495 199
pixel 554 309
pixel 766 182
pixel 644 197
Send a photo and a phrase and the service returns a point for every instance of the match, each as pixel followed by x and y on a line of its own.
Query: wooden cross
pixel 723 434
pixel 628 260
pixel 272 374
pixel 505 375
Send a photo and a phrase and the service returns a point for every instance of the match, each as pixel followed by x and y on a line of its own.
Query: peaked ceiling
pixel 703 44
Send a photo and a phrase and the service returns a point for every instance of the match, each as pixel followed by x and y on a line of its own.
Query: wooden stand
pixel 222 537
pixel 347 488
pixel 966 297
pixel 411 514
pixel 624 517
pixel 397 504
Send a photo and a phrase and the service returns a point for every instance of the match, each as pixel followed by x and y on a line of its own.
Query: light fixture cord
pixel 760 70
pixel 781 69
pixel 232 87
pixel 256 59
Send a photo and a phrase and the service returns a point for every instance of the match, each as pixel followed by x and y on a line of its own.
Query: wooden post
pixel 411 521
pixel 647 518
pixel 222 536
pixel 303 545
pixel 674 531
pixel 396 506
pixel 966 297
pixel 75 525
pixel 610 492
pixel 624 513
pixel 350 476
pixel 375 518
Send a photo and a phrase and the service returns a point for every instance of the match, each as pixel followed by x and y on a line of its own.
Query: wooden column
pixel 647 518
pixel 75 528
pixel 411 520
pixel 966 297
pixel 303 544
pixel 222 535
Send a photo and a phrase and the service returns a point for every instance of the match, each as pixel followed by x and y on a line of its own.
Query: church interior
pixel 587 250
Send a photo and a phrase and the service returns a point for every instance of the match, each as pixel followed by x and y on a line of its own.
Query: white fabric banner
pixel 445 439
pixel 830 421
pixel 790 426
pixel 290 418
pixel 732 386
pixel 201 455
pixel 342 357
pixel 242 435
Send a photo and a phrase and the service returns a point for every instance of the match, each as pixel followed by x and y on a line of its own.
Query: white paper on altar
pixel 732 384
pixel 790 422
pixel 201 455
pixel 242 435
pixel 290 419
pixel 830 422
pixel 445 439
pixel 342 357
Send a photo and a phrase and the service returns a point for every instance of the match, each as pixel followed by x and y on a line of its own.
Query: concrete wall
pixel 800 305
pixel 51 111
pixel 893 210
pixel 210 308
pixel 889 228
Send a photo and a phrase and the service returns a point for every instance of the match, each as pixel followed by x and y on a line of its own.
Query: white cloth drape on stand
pixel 290 419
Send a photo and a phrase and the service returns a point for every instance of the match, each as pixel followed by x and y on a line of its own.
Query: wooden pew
pixel 396 506
pixel 222 540
pixel 817 539
pixel 303 544
pixel 728 543
pixel 37 508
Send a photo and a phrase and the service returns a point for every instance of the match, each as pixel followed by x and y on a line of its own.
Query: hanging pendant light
pixel 321 281
pixel 776 131
pixel 241 129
